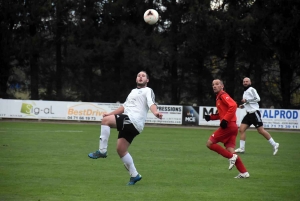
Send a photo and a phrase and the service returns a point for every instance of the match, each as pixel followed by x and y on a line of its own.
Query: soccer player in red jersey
pixel 228 129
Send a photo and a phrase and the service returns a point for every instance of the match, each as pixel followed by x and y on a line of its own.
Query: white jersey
pixel 137 106
pixel 252 98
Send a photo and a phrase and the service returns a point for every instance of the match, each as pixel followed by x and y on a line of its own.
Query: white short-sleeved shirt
pixel 137 106
pixel 252 98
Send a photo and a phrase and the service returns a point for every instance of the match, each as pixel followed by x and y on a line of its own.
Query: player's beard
pixel 141 85
pixel 247 87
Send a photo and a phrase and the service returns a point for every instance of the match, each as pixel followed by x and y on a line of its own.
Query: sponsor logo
pixel 280 114
pixel 32 109
pixel 85 109
pixel 172 109
pixel 190 116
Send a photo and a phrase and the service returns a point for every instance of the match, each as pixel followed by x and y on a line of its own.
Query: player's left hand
pixel 159 115
pixel 223 123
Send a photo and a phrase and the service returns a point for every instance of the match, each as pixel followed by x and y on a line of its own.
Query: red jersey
pixel 226 107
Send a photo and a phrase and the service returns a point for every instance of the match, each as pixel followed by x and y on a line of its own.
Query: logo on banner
pixel 206 111
pixel 279 114
pixel 190 115
pixel 31 109
pixel 86 109
pixel 26 108
pixel 169 109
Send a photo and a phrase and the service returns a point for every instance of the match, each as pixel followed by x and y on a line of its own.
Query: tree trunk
pixel 229 74
pixel 58 44
pixel 34 68
pixel 286 75
pixel 174 82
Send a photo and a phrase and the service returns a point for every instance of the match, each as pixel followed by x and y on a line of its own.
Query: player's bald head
pixel 246 81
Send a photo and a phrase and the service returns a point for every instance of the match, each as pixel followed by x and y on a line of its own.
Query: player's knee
pixel 242 130
pixel 208 144
pixel 105 121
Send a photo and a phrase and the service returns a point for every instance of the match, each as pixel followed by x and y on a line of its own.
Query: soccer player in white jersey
pixel 250 103
pixel 129 119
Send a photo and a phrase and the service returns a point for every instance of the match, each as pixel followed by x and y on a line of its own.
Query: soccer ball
pixel 151 16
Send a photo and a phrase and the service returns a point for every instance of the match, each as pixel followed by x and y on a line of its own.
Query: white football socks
pixel 272 142
pixel 104 136
pixel 128 162
pixel 242 144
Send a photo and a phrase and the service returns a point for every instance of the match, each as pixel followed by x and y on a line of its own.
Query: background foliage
pixel 91 50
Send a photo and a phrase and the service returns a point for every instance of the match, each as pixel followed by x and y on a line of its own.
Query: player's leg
pixel 122 149
pixel 219 136
pixel 106 123
pixel 242 131
pixel 260 128
pixel 230 144
pixel 268 137
pixel 126 135
pixel 245 124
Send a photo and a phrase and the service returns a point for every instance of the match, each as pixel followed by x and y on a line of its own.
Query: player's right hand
pixel 105 114
pixel 207 117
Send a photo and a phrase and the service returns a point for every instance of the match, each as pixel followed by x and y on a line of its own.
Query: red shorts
pixel 227 136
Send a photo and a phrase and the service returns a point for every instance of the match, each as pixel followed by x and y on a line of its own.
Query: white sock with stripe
pixel 128 162
pixel 104 136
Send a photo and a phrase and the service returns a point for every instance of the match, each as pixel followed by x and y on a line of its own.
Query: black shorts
pixel 253 118
pixel 126 128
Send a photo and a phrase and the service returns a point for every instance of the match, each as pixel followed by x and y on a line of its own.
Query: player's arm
pixel 151 103
pixel 231 110
pixel 119 110
pixel 153 109
pixel 232 106
pixel 213 116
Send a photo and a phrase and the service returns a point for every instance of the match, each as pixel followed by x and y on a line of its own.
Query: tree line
pixel 91 50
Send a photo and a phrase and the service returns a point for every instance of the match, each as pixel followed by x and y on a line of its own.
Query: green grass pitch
pixel 49 162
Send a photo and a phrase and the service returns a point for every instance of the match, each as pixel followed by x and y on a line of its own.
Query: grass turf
pixel 46 161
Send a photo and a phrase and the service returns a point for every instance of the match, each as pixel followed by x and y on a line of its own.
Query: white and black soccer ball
pixel 151 16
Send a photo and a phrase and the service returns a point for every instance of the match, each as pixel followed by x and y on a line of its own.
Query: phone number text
pixel 81 118
pixel 281 126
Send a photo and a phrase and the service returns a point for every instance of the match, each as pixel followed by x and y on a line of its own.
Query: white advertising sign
pixel 207 110
pixel 32 109
pixel 77 111
pixel 85 111
pixel 280 118
pixel 272 118
pixel 172 114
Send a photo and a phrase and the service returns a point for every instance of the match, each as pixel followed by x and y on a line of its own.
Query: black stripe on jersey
pixel 254 96
pixel 152 96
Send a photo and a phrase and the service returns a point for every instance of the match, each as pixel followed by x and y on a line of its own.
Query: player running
pixel 228 130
